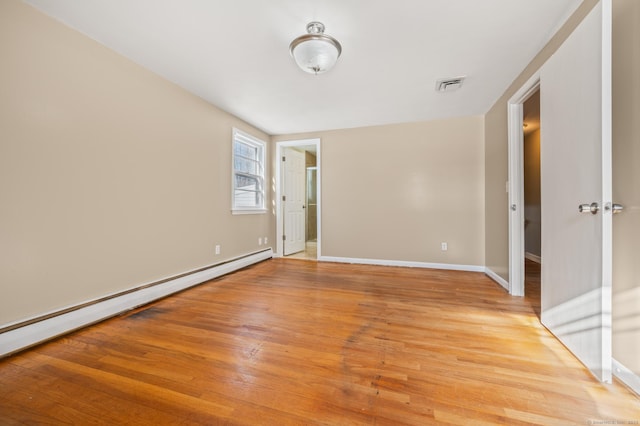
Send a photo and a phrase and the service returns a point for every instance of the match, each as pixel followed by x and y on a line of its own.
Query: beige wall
pixel 496 153
pixel 396 192
pixel 309 159
pixel 532 192
pixel 626 183
pixel 110 176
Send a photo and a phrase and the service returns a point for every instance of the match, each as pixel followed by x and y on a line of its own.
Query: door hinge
pixel 284 237
pixel 284 198
pixel 284 158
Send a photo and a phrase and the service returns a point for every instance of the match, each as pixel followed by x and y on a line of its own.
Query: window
pixel 248 174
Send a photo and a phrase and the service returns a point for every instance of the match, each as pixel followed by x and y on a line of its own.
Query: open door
pixel 576 192
pixel 294 202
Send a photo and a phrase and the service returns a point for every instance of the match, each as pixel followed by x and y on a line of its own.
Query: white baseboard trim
pixel 533 257
pixel 33 333
pixel 626 376
pixel 404 263
pixel 497 278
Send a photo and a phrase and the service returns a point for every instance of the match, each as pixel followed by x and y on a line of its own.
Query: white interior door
pixel 294 172
pixel 575 89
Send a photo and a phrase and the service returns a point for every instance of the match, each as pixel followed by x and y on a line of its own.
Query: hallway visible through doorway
pixel 310 252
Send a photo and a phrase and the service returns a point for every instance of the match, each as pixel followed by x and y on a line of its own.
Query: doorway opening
pixel 298 199
pixel 532 199
pixel 516 184
pixel 576 191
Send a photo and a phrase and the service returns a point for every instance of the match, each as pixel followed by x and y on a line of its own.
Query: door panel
pixel 294 203
pixel 576 169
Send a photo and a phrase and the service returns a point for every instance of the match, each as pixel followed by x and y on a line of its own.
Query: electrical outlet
pixel 217 249
pixel 259 241
pixel 444 246
pixel 266 240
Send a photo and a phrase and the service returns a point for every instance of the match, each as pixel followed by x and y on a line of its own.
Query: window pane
pixel 248 198
pixel 246 150
pixel 247 183
pixel 245 165
pixel 248 171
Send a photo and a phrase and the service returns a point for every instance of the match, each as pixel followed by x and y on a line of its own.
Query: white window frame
pixel 245 138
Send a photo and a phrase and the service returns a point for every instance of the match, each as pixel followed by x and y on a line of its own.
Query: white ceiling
pixel 234 53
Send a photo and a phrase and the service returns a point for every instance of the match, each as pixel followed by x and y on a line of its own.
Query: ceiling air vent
pixel 449 84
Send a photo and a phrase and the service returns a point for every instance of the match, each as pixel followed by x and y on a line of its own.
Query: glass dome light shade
pixel 315 53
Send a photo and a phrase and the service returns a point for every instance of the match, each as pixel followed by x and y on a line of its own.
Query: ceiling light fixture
pixel 315 52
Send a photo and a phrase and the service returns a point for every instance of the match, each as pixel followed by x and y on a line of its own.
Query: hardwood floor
pixel 532 284
pixel 293 342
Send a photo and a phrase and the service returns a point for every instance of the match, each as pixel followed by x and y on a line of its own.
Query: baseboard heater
pixel 24 334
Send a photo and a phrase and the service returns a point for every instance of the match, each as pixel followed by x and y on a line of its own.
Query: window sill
pixel 253 211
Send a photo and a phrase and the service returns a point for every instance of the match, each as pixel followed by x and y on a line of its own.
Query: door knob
pixel 615 208
pixel 589 208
